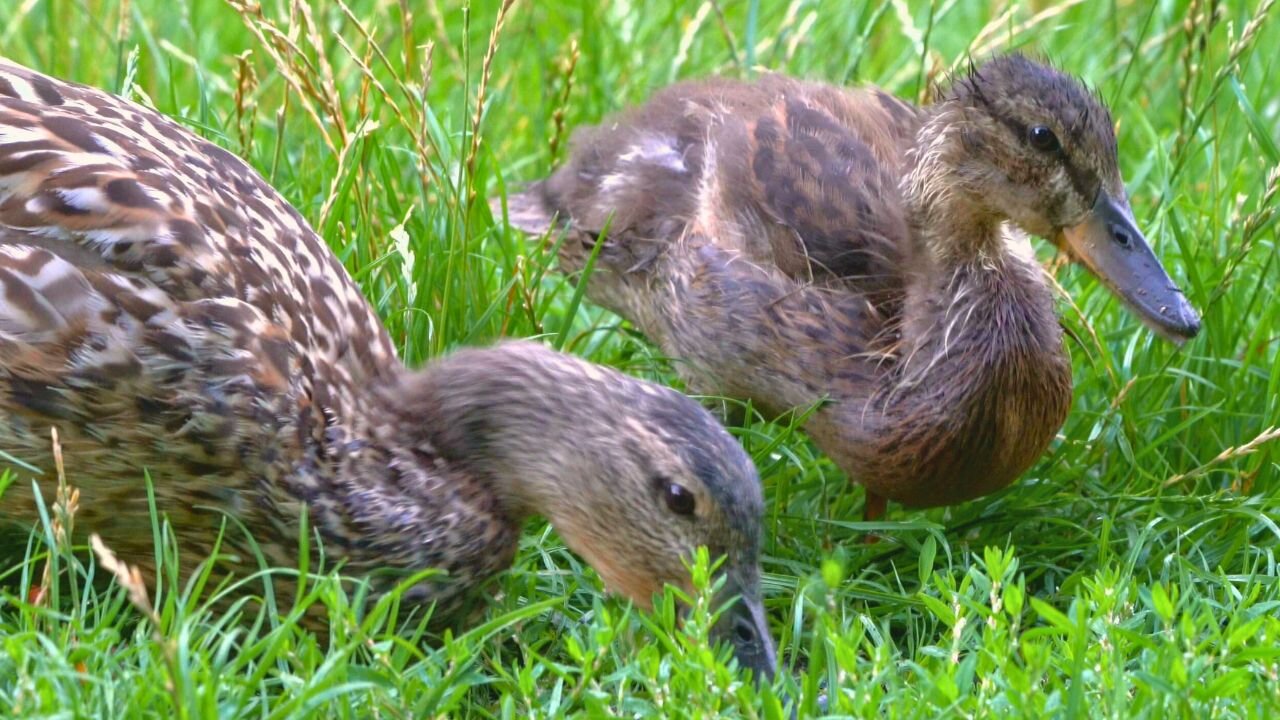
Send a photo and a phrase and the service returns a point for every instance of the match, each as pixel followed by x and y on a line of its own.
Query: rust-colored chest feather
pixel 967 410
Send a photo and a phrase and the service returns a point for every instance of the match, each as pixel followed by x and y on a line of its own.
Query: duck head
pixel 1031 145
pixel 634 476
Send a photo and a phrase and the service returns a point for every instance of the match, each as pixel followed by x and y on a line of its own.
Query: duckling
pixel 791 242
pixel 165 309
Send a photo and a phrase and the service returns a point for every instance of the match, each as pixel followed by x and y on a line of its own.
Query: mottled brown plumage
pixel 167 310
pixel 790 241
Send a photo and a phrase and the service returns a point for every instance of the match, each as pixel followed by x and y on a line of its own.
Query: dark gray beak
pixel 743 624
pixel 1110 245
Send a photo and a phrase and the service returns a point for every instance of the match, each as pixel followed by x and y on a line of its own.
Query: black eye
pixel 1042 139
pixel 678 498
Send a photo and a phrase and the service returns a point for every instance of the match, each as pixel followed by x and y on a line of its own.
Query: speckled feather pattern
pixel 166 309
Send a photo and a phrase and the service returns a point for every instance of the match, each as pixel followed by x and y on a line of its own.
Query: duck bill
pixel 743 624
pixel 1110 245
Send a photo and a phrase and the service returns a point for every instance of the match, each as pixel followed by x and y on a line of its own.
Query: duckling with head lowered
pixel 167 310
pixel 790 241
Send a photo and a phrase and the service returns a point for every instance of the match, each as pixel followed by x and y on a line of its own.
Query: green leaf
pixel 1161 603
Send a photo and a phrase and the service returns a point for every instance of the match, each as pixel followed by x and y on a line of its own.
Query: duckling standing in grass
pixel 790 241
pixel 167 310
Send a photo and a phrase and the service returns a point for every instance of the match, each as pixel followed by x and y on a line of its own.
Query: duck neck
pixel 950 225
pixel 394 491
pixel 490 418
pixel 974 274
pixel 981 382
pixel 543 431
pixel 453 459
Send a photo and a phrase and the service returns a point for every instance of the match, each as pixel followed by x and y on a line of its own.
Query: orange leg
pixel 874 508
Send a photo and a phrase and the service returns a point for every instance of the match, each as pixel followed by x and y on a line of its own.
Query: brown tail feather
pixel 526 211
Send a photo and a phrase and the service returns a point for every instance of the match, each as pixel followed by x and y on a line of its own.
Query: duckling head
pixel 1029 144
pixel 634 476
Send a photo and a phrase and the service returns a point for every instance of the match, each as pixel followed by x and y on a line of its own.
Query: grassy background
pixel 1132 571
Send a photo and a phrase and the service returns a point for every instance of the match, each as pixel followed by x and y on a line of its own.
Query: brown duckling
pixel 790 242
pixel 165 309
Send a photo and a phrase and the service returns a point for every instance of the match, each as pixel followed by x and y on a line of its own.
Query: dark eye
pixel 678 498
pixel 1042 139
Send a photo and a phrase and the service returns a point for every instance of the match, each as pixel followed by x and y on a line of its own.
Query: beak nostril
pixel 1121 235
pixel 744 631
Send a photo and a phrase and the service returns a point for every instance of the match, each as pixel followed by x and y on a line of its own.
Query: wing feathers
pixel 798 176
pixel 44 295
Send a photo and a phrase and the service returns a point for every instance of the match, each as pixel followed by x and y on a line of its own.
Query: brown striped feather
pixel 169 312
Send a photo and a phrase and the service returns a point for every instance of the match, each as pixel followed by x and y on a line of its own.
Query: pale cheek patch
pixel 618 578
pixel 1061 182
pixel 1064 193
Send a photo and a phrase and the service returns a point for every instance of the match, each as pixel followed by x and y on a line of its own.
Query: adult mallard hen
pixel 166 309
pixel 790 241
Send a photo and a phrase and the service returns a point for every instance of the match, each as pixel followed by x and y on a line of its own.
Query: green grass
pixel 1093 586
